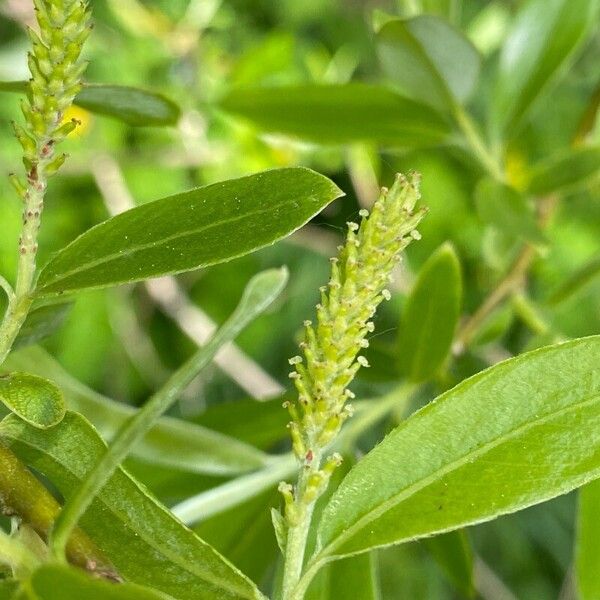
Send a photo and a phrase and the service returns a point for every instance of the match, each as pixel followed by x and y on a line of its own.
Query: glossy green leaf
pixel 340 114
pixel 587 551
pixel 429 60
pixel 576 281
pixel 504 208
pixel 36 400
pixel 430 316
pixel 144 542
pixel 187 231
pixel 56 582
pixel 171 443
pixel 498 442
pixel 565 170
pixel 42 322
pixel 128 104
pixel 453 553
pixel 353 578
pixel 544 37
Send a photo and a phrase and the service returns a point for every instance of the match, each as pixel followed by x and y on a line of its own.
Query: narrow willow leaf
pixel 36 400
pixel 587 551
pixel 564 171
pixel 430 316
pixel 544 37
pixel 575 282
pixel 57 582
pixel 340 114
pixel 187 231
pixel 128 104
pixel 144 542
pixel 507 210
pixel 42 322
pixel 354 577
pixel 498 442
pixel 453 553
pixel 429 60
pixel 171 443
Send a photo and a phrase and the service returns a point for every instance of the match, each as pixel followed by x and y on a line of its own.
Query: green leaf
pixel 340 114
pixel 564 171
pixel 430 315
pixel 507 210
pixel 144 542
pixel 42 322
pixel 587 552
pixel 429 60
pixel 354 577
pixel 453 553
pixel 128 104
pixel 542 41
pixel 57 582
pixel 579 279
pixel 36 400
pixel 171 443
pixel 498 442
pixel 202 227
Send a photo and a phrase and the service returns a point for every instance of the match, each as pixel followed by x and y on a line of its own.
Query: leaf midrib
pixel 142 247
pixel 417 486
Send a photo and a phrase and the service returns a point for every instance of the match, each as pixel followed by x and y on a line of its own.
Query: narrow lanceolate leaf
pixel 171 443
pixel 507 210
pixel 429 60
pixel 36 400
pixel 498 442
pixel 453 553
pixel 194 229
pixel 430 316
pixel 564 171
pixel 140 537
pixel 545 36
pixel 128 104
pixel 587 551
pixel 340 114
pixel 58 582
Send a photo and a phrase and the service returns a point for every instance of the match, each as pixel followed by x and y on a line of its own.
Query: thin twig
pixel 513 281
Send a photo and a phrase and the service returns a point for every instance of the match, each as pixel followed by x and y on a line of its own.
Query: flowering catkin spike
pixel 358 284
pixel 55 80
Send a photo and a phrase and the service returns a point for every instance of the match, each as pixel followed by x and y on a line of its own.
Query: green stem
pixel 294 581
pixel 477 145
pixel 259 294
pixel 22 494
pixel 20 303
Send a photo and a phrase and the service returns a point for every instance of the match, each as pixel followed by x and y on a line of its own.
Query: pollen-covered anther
pixel 362 361
pixel 387 295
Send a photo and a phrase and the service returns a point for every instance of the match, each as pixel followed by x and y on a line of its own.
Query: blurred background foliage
pixel 124 342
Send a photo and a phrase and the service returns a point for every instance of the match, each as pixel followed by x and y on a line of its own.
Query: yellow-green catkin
pixel 331 350
pixel 56 70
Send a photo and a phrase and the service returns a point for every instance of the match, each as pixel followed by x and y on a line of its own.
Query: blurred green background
pixel 123 343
